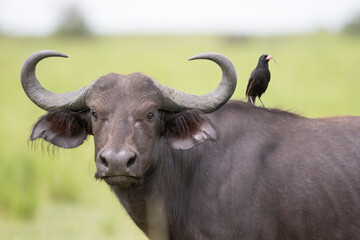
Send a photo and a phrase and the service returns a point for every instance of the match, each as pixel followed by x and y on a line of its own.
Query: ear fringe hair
pixel 45 146
pixel 64 117
pixel 183 123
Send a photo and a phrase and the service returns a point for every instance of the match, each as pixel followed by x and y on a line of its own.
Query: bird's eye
pixel 150 116
pixel 94 115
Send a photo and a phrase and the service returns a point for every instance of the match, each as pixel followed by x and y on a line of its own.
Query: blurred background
pixel 48 193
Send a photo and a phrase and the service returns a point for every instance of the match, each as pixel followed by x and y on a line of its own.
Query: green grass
pixel 54 196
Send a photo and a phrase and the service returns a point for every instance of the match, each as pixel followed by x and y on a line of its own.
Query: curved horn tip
pixel 36 57
pixel 206 55
pixel 49 53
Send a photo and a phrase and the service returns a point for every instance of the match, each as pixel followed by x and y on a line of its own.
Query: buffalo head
pixel 132 117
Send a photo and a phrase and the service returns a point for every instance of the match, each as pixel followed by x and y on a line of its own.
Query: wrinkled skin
pixel 238 173
pixel 124 122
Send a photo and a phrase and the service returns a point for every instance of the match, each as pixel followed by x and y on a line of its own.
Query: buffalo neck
pixel 160 206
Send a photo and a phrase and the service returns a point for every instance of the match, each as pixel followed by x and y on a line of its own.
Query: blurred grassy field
pixel 54 196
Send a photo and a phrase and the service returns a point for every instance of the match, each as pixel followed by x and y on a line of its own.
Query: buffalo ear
pixel 63 128
pixel 186 129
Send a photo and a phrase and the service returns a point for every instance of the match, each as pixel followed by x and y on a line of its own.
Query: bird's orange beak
pixel 268 57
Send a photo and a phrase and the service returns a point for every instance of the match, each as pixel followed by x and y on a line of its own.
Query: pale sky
pixel 259 17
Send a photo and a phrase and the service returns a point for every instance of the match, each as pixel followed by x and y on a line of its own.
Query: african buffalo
pixel 202 167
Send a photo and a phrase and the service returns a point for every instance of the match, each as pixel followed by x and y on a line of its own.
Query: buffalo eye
pixel 94 115
pixel 150 116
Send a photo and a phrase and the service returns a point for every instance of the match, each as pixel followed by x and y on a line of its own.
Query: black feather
pixel 259 79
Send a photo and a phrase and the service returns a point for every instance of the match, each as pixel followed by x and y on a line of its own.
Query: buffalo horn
pixel 175 100
pixel 43 98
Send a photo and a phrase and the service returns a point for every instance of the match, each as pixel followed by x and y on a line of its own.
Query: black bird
pixel 259 79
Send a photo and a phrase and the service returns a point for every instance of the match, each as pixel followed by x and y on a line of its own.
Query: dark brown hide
pixel 240 172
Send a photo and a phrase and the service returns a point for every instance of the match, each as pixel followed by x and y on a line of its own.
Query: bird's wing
pixel 251 81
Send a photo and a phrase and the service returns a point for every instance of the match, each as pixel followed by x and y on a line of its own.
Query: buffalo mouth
pixel 118 180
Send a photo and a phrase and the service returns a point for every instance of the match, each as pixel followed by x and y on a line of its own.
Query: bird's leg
pixel 251 100
pixel 261 102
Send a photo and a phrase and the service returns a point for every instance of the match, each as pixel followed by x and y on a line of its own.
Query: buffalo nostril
pixel 131 161
pixel 104 162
